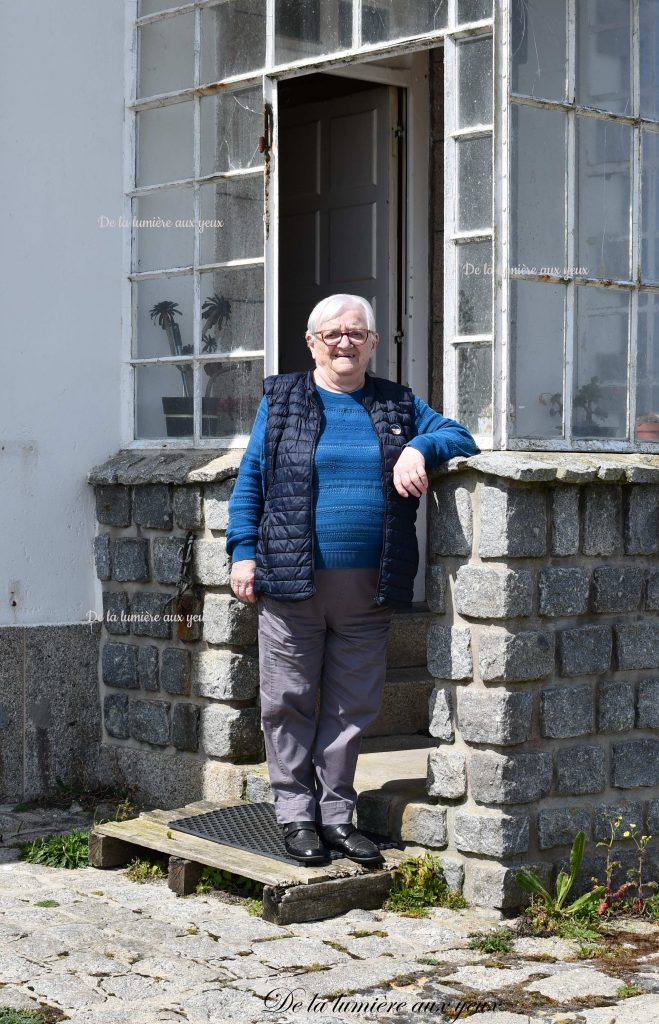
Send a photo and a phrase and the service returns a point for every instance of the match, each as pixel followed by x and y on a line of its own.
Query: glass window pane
pixel 647 368
pixel 650 207
pixel 307 28
pixel 475 82
pixel 166 55
pixel 537 316
pixel 232 39
pixel 603 55
pixel 232 310
pixel 473 10
pixel 537 240
pixel 164 144
pixel 539 48
pixel 163 395
pixel 163 230
pixel 231 125
pixel 153 6
pixel 599 403
pixel 232 391
pixel 474 183
pixel 475 287
pixel 649 17
pixel 475 388
pixel 234 208
pixel 603 170
pixel 383 20
pixel 163 317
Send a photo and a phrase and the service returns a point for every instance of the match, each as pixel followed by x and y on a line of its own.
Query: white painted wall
pixel 61 117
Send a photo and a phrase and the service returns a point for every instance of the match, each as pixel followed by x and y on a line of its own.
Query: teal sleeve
pixel 248 496
pixel 439 438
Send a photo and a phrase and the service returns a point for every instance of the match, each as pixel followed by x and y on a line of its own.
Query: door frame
pixel 415 369
pixel 416 318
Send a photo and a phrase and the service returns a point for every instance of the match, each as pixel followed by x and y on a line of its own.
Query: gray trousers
pixel 332 645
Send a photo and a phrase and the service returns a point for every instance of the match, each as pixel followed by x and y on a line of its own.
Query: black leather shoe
pixel 302 842
pixel 352 843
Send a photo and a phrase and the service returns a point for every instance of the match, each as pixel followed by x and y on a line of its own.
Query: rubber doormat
pixel 251 827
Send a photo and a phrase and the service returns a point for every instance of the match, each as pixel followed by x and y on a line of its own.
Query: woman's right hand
pixel 242 580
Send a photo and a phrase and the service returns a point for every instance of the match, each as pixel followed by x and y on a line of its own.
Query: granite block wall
pixel 544 578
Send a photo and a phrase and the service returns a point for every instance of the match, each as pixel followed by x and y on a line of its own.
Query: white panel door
pixel 335 214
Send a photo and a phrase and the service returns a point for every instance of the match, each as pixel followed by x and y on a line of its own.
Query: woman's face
pixel 342 367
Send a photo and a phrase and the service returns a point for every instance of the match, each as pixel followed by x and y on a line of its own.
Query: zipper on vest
pixel 383 475
pixel 312 517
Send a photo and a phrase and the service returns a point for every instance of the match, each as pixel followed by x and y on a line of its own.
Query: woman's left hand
pixel 410 473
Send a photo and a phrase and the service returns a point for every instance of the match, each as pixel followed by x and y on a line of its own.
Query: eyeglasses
pixel 356 336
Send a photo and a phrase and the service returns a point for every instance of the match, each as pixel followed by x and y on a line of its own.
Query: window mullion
pixel 356 24
pixel 451 249
pixel 501 361
pixel 570 220
pixel 635 222
pixel 129 317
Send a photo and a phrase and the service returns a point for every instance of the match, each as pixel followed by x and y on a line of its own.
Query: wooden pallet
pixel 291 893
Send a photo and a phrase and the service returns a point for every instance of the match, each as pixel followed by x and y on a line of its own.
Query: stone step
pixel 404 709
pixel 408 634
pixel 392 799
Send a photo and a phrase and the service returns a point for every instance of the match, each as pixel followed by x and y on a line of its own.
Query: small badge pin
pixel 396 429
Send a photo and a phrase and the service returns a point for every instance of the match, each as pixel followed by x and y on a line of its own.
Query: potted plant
pixel 178 410
pixel 589 399
pixel 647 426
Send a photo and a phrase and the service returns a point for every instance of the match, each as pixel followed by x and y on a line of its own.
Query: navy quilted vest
pixel 284 554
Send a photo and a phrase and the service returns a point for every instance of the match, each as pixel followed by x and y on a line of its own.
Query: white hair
pixel 332 305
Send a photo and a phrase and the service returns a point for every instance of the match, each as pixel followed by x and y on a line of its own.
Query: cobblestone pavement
pixel 106 950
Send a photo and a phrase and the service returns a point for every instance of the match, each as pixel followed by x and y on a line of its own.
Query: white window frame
pixel 502 272
pixel 268 77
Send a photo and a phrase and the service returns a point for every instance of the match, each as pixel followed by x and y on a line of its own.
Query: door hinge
pixel 399 131
pixel 399 337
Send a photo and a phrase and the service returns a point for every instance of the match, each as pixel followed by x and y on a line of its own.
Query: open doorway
pixel 341 203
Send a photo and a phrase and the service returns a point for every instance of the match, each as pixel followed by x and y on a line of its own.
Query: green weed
pixel 491 942
pixel 419 883
pixel 58 851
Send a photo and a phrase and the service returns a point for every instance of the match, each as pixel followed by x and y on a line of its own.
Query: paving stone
pixel 617 588
pixel 152 506
pixel 115 612
pixel 637 645
pixel 636 1010
pixel 567 711
pixel 515 657
pixel 485 592
pixel 565 522
pixel 558 949
pixel 513 522
pixel 648 704
pixel 510 778
pixel 493 834
pixel 495 716
pixel 605 813
pixel 436 586
pixel 298 953
pixel 446 774
pixel 440 708
pixel 575 983
pixel 557 826
pixel 580 770
pixel 635 763
pixel 563 591
pixel 449 652
pixel 615 712
pixel 602 520
pixel 490 979
pixel 451 519
pixel 585 650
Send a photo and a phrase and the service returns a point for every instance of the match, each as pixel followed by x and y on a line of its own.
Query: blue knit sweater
pixel 348 498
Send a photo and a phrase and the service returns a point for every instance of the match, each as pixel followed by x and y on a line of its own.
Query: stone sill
pixel 192 466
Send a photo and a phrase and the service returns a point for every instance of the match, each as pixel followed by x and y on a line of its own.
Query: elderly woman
pixel 322 535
